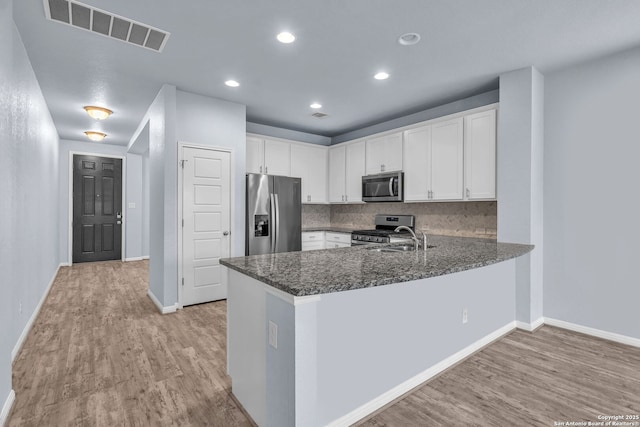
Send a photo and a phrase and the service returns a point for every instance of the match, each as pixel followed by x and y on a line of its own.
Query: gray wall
pixel 590 194
pixel 177 116
pixel 520 178
pixel 29 189
pixel 212 122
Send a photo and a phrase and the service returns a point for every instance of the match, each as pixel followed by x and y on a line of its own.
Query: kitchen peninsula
pixel 326 337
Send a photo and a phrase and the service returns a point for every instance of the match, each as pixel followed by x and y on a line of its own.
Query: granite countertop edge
pixel 284 277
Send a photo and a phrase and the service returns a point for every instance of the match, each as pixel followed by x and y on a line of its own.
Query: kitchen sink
pixel 395 248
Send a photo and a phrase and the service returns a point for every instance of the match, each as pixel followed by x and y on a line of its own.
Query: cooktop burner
pixel 379 232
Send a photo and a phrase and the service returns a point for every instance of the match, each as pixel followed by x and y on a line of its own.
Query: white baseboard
pixel 161 308
pixel 6 408
pixel 34 315
pixel 530 327
pixel 396 392
pixel 135 258
pixel 623 339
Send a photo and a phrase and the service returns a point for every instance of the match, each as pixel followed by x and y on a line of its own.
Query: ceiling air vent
pixel 319 115
pixel 98 21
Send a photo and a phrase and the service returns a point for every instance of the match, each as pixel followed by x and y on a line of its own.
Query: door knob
pixel 225 233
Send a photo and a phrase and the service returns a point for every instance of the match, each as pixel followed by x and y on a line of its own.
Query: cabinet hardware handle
pixel 266 169
pixel 308 198
pixel 260 169
pixel 346 197
pixel 225 233
pixel 343 197
pixel 468 193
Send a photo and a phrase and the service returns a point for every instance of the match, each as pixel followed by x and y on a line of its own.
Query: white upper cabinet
pixel 337 174
pixel 417 180
pixel 480 155
pixel 255 154
pixel 433 161
pixel 384 154
pixel 309 162
pixel 277 157
pixel 355 169
pixel 268 156
pixel 346 168
pixel 446 162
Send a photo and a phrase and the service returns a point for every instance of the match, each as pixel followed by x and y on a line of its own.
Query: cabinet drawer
pixel 334 245
pixel 310 246
pixel 313 236
pixel 338 237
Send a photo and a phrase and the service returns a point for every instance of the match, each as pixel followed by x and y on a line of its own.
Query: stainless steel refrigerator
pixel 274 214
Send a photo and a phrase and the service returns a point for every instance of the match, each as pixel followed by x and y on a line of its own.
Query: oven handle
pixel 391 186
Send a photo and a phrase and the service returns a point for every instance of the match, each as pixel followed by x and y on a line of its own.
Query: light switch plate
pixel 132 205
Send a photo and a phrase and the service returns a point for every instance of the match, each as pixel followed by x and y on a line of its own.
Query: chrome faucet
pixel 416 241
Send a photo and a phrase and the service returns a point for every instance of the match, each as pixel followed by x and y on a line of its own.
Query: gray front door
pixel 97 208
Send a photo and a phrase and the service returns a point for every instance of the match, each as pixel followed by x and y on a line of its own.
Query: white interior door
pixel 206 205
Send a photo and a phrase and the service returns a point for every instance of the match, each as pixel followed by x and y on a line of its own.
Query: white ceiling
pixel 466 45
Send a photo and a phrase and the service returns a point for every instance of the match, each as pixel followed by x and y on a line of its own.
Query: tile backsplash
pixel 466 219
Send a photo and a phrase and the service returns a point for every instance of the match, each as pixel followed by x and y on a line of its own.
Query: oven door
pixel 384 187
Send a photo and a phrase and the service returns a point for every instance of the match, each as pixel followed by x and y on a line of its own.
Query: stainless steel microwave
pixel 383 187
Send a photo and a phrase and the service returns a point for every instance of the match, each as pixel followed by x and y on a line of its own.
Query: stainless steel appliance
pixel 274 214
pixel 383 187
pixel 383 233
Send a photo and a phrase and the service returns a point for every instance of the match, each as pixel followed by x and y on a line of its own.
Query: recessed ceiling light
pixel 285 37
pixel 232 83
pixel 409 39
pixel 315 105
pixel 381 76
pixel 98 113
pixel 95 136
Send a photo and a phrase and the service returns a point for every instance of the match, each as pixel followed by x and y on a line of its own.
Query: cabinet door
pixel 416 164
pixel 310 164
pixel 337 174
pixel 255 155
pixel 384 154
pixel 277 157
pixel 355 169
pixel 447 160
pixel 480 155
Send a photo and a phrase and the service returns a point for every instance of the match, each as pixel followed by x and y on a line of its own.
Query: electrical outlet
pixel 465 315
pixel 273 334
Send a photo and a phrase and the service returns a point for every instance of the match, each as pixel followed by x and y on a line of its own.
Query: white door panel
pixel 206 208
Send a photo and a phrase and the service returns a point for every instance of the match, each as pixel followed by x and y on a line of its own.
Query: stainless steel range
pixel 383 233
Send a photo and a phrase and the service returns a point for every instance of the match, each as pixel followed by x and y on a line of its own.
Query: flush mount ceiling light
pixel 285 37
pixel 95 136
pixel 98 113
pixel 409 39
pixel 315 105
pixel 381 76
pixel 232 83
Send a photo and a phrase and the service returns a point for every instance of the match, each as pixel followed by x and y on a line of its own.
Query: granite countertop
pixel 335 270
pixel 333 229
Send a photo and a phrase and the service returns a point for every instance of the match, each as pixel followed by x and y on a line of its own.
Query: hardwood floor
pixel 526 379
pixel 100 354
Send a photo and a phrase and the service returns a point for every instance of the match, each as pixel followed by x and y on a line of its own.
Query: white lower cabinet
pixel 337 240
pixel 312 240
pixel 325 240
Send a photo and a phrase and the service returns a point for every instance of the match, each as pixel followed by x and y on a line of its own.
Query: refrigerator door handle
pixel 272 222
pixel 276 223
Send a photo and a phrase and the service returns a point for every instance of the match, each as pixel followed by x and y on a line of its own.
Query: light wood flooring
pixel 526 379
pixel 100 354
